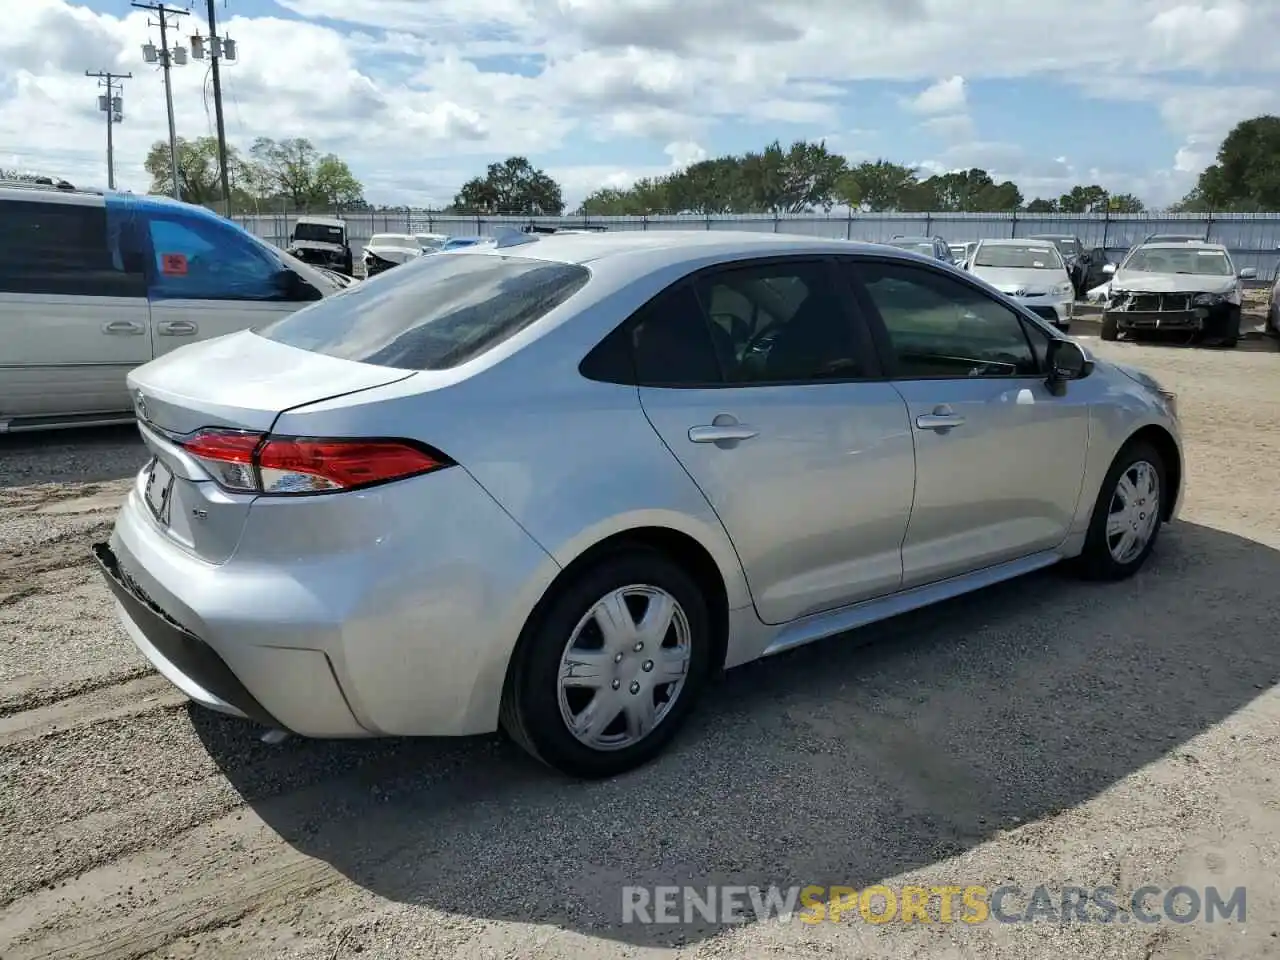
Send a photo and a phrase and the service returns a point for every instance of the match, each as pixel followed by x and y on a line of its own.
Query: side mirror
pixel 1109 268
pixel 1067 361
pixel 1249 273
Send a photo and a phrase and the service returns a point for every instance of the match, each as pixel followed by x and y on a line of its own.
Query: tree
pixel 289 166
pixel 1247 175
pixel 1082 199
pixel 199 174
pixel 875 186
pixel 1039 205
pixel 335 183
pixel 794 180
pixel 1124 203
pixel 513 187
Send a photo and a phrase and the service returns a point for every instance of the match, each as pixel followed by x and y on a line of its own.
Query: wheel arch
pixel 1171 454
pixel 679 547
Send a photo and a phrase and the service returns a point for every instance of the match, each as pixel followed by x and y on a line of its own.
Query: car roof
pixel 672 246
pixel 1013 241
pixel 325 221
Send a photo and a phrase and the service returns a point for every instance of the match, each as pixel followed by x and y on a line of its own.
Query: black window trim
pixel 850 313
pixel 880 333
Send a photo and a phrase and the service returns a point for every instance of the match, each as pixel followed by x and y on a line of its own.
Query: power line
pixel 165 57
pixel 113 106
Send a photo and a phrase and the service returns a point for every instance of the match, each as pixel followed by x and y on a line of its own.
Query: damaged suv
pixel 1188 286
pixel 322 242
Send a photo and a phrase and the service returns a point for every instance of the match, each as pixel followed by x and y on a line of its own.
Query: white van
pixel 93 284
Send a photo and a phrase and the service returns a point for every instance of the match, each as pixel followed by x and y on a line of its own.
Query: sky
pixel 419 95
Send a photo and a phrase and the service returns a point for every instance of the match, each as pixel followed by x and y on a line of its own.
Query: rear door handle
pixel 721 433
pixel 176 328
pixel 123 327
pixel 941 420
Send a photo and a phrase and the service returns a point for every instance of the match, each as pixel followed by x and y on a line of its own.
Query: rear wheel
pixel 604 678
pixel 1110 328
pixel 1127 515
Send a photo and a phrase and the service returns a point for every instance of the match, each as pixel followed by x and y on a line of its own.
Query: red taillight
pixel 257 463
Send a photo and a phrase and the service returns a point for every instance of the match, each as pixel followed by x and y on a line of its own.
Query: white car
pixel 1031 272
pixel 387 250
pixel 431 242
pixel 93 284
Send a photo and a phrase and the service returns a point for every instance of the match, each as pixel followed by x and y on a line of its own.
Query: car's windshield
pixel 1066 245
pixel 393 240
pixel 1020 256
pixel 1186 260
pixel 317 233
pixel 919 246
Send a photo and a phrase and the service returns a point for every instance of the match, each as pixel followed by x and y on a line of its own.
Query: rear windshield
pixel 317 232
pixel 433 313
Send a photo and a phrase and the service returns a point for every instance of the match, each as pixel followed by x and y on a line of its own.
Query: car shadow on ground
pixel 840 763
pixel 80 455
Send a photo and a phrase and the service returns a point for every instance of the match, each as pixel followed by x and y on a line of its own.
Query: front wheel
pixel 1110 328
pixel 1127 515
pixel 603 679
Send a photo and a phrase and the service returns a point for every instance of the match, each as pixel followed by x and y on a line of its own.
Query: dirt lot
pixel 1044 732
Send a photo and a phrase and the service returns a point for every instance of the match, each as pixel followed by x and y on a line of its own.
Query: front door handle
pixel 123 327
pixel 176 328
pixel 719 433
pixel 941 420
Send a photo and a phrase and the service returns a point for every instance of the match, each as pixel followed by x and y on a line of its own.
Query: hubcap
pixel 624 667
pixel 1134 512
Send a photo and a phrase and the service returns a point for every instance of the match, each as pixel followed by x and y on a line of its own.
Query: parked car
pixel 934 247
pixel 322 242
pixel 962 251
pixel 387 250
pixel 1086 265
pixel 1189 286
pixel 1273 305
pixel 498 486
pixel 431 242
pixel 457 243
pixel 1030 272
pixel 93 284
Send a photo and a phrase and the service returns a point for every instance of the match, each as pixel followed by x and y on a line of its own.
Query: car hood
pixel 316 245
pixel 1134 282
pixel 1008 279
pixel 396 253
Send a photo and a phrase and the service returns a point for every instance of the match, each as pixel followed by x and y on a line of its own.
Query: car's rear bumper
pixel 391 611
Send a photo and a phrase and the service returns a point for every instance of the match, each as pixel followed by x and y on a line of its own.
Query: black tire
pixel 1232 336
pixel 530 711
pixel 1096 562
pixel 1110 328
pixel 1273 319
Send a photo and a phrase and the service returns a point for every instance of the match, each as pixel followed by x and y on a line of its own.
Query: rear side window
pixel 66 249
pixel 431 314
pixel 203 259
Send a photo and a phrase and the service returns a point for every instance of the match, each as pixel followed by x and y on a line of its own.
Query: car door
pixel 1094 275
pixel 73 310
pixel 999 458
pixel 761 385
pixel 207 279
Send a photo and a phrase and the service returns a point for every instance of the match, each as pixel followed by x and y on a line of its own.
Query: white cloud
pixel 684 152
pixel 411 94
pixel 945 96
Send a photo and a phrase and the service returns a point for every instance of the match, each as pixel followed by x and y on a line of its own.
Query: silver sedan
pixel 555 483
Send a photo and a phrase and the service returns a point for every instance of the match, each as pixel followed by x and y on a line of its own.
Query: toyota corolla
pixel 553 484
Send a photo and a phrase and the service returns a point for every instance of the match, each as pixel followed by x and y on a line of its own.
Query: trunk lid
pixel 241 381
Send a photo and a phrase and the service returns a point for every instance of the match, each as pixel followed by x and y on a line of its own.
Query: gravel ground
pixel 1044 732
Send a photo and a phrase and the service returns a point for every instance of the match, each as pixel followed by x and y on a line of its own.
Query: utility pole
pixel 166 57
pixel 219 47
pixel 113 107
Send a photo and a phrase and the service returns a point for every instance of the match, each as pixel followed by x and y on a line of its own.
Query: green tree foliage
pixel 1246 176
pixel 1083 200
pixel 513 187
pixel 289 174
pixel 1124 203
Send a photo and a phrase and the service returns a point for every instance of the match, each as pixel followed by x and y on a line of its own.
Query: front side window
pixel 433 313
pixel 68 249
pixel 199 259
pixel 938 326
pixel 780 323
